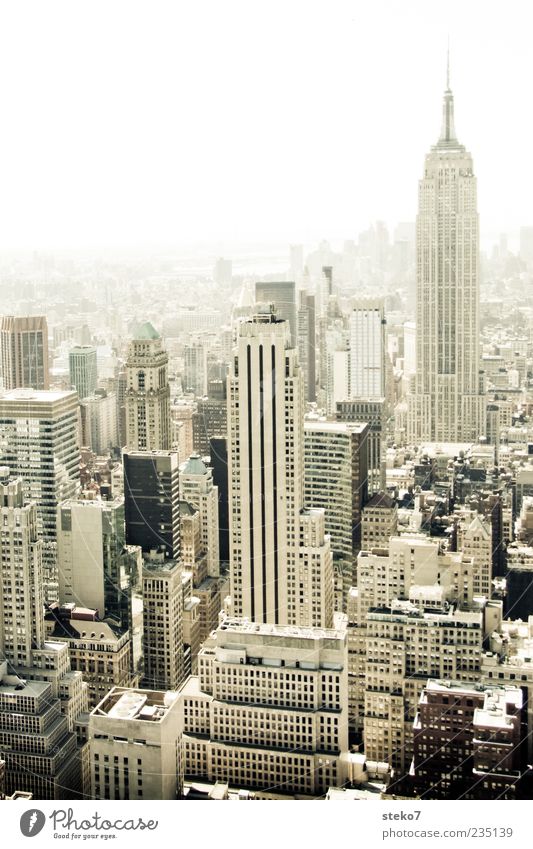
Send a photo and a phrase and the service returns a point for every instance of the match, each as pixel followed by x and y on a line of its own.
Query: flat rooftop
pixel 94 503
pixel 244 626
pixel 135 704
pixel 40 396
pixel 448 449
pixel 33 688
pixel 454 687
pixel 334 427
pixel 152 567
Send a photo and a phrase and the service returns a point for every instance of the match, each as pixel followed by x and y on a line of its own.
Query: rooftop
pixel 37 396
pixel 194 466
pixel 313 424
pixel 79 629
pixel 381 499
pixel 448 686
pixel 133 704
pixel 244 626
pixel 34 688
pixel 146 331
pixel 158 564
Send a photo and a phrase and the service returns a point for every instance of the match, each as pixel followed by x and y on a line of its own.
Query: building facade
pixel 92 559
pixel 448 404
pixel 151 501
pixel 367 350
pixel 135 744
pixel 162 594
pixel 265 468
pixel 99 422
pixel 39 696
pixel 83 370
pixel 24 352
pixel 467 742
pixel 39 442
pixel 268 709
pixel 147 396
pixel 307 343
pixel 374 412
pixel 282 294
pixel 197 487
pixel 336 479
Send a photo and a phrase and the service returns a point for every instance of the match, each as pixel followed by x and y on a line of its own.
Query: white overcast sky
pixel 132 123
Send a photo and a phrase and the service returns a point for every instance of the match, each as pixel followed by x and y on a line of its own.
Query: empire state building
pixel 448 403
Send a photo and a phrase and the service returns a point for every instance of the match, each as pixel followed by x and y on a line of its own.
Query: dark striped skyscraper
pixel 280 557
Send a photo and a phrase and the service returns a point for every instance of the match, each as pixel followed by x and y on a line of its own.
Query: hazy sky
pixel 241 120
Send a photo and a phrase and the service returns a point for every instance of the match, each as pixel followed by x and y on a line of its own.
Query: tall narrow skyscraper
pixel 367 350
pixel 197 487
pixel 24 352
pixel 265 435
pixel 280 561
pixel 448 404
pixel 40 697
pixel 147 396
pixel 21 591
pixel 307 343
pixel 83 370
pixel 39 444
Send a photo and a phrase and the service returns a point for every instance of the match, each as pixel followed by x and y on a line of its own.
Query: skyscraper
pixel 367 350
pixel 24 352
pixel 223 271
pixel 39 444
pixel 21 598
pixel 197 487
pixel 448 404
pixel 307 343
pixel 92 561
pixel 83 370
pixel 36 685
pixel 218 452
pixel 283 295
pixel 265 436
pixel 147 395
pixel 151 501
pixel 296 255
pixel 99 421
pixel 375 413
pixel 336 473
pixel 526 244
pixel 162 591
pixel 280 558
pixel 195 368
pixel 211 417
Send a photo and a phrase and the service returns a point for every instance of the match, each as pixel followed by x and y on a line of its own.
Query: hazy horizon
pixel 135 125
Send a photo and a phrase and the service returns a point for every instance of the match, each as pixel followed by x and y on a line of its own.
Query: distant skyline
pixel 172 123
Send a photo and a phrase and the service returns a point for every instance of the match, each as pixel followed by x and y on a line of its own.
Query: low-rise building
pixel 268 709
pixel 135 744
pixel 467 741
pixel 100 650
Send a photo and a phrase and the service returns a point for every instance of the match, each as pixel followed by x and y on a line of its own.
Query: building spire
pixel 447 133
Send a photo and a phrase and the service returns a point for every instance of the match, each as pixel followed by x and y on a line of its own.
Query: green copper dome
pixel 147 331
